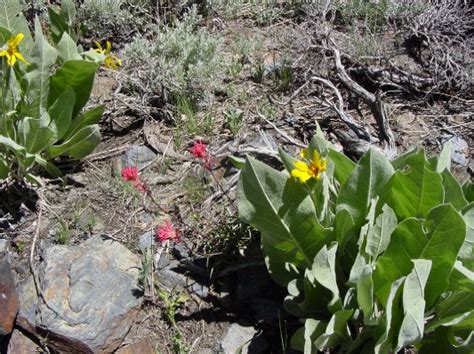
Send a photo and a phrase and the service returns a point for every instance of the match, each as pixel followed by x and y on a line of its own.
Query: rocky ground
pixel 81 270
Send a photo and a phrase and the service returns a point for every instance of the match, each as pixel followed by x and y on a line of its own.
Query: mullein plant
pixel 45 86
pixel 377 255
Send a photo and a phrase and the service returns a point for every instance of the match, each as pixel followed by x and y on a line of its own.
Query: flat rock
pixel 9 303
pixel 242 339
pixel 138 155
pixel 20 343
pixel 90 296
pixel 144 346
pixel 3 245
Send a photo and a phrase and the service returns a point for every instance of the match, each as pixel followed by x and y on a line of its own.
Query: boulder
pixel 89 296
pixel 9 303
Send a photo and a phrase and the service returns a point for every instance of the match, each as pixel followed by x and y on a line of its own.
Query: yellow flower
pixel 304 170
pixel 11 50
pixel 111 61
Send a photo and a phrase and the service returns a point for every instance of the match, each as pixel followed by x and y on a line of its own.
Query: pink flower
pixel 166 231
pixel 130 173
pixel 199 150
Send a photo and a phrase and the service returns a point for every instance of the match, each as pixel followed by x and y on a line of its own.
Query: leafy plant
pixel 42 96
pixel 376 256
pixel 234 117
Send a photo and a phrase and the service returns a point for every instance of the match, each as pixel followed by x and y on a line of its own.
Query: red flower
pixel 130 173
pixel 199 150
pixel 166 231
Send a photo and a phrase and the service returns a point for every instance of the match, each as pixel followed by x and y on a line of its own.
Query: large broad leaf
pixel 412 193
pixel 60 113
pixel 77 74
pixel 324 270
pixel 378 236
pixel 35 133
pixel 304 338
pixel 343 165
pixel 67 48
pixel 281 209
pixel 439 239
pixel 11 18
pixel 444 159
pixel 36 80
pixel 90 117
pixel 393 318
pixel 367 180
pixel 337 331
pixel 439 342
pixel 412 328
pixel 467 254
pixel 79 145
pixel 453 191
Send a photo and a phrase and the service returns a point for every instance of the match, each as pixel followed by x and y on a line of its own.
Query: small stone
pixel 170 277
pixel 144 346
pixel 9 304
pixel 91 295
pixel 145 241
pixel 3 245
pixel 239 338
pixel 139 156
pixel 20 343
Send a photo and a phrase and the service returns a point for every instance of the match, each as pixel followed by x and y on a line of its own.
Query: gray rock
pixel 90 296
pixel 19 343
pixel 139 156
pixel 146 241
pixel 460 151
pixel 239 339
pixel 3 245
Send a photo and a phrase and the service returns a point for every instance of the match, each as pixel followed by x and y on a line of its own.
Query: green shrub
pixel 43 92
pixel 377 256
pixel 182 60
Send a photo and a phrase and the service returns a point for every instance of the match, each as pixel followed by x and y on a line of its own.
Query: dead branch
pixel 374 102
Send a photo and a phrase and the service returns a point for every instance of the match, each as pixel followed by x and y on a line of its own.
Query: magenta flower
pixel 166 231
pixel 199 150
pixel 130 174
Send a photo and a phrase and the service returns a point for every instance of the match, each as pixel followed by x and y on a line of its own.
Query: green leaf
pixel 379 233
pixel 324 271
pixel 61 114
pixel 58 25
pixel 393 318
pixel 343 165
pixel 90 117
pixel 67 48
pixel 77 74
pixel 466 254
pixel 453 191
pixel 444 159
pixel 4 170
pixel 79 145
pixel 303 338
pixel 439 239
pixel 48 166
pixel 11 18
pixel 36 80
pixel 336 332
pixel 412 193
pixel 281 209
pixel 35 133
pixel 366 181
pixel 237 162
pixel 412 328
pixel 468 190
pixel 438 342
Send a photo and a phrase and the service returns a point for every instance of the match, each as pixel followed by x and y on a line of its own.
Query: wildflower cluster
pixel 111 61
pixel 199 151
pixel 130 174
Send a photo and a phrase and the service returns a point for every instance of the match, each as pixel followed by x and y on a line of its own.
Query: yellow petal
pixel 20 57
pixel 304 153
pixel 11 60
pixel 303 176
pixel 3 52
pixel 19 37
pixel 108 47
